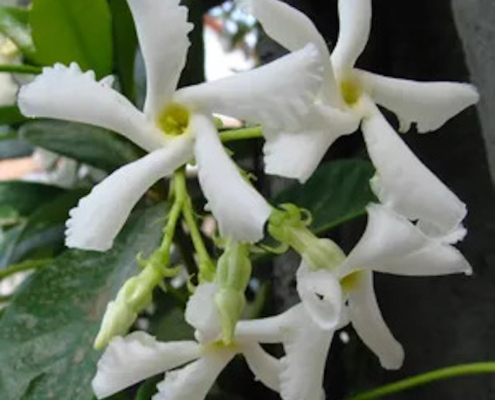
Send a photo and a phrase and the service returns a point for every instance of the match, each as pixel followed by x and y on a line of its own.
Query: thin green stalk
pixel 429 377
pixel 241 134
pixel 22 267
pixel 206 266
pixel 20 69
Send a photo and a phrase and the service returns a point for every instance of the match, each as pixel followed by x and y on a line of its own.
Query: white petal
pixel 321 296
pixel 293 30
pixel 162 30
pixel 306 347
pixel 392 244
pixel 202 312
pixel 129 360
pixel 405 184
pixel 368 322
pixel 268 330
pixel 68 94
pixel 297 154
pixel 354 31
pixel 98 218
pixel 275 95
pixel 240 210
pixel 194 380
pixel 265 367
pixel 429 104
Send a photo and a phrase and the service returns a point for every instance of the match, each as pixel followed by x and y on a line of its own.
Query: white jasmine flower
pixel 306 345
pixel 175 126
pixel 391 244
pixel 402 181
pixel 191 366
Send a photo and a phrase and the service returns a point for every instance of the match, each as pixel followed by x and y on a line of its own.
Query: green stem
pixel 440 374
pixel 241 134
pixel 206 266
pixel 25 266
pixel 20 69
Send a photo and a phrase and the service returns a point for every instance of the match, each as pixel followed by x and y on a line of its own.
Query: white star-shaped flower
pixel 130 360
pixel 390 244
pixel 175 125
pixel 348 98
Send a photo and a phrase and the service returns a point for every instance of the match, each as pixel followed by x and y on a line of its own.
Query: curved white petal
pixel 202 313
pixel 194 380
pixel 293 30
pixel 68 94
pixel 429 104
pixel 98 218
pixel 162 30
pixel 264 366
pixel 240 210
pixel 368 322
pixel 129 360
pixel 268 330
pixel 306 348
pixel 275 95
pixel 354 31
pixel 297 154
pixel 392 244
pixel 321 296
pixel 405 184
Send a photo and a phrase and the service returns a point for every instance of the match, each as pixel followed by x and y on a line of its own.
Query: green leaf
pixel 14 148
pixel 125 45
pixel 42 234
pixel 73 31
pixel 337 192
pixel 46 333
pixel 88 144
pixel 14 25
pixel 26 197
pixel 11 115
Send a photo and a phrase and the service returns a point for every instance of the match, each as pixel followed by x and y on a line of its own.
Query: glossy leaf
pixel 14 24
pixel 87 144
pixel 337 192
pixel 47 331
pixel 125 45
pixel 42 234
pixel 73 30
pixel 11 115
pixel 25 197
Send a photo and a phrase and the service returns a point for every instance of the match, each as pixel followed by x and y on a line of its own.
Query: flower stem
pixel 25 266
pixel 419 380
pixel 206 266
pixel 241 134
pixel 20 69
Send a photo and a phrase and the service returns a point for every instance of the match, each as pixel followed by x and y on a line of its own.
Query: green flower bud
pixel 233 275
pixel 133 297
pixel 230 304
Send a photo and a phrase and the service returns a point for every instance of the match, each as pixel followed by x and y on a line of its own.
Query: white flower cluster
pixel 304 101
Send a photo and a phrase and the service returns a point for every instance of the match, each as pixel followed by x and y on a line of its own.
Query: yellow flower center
pixel 174 120
pixel 351 92
pixel 350 282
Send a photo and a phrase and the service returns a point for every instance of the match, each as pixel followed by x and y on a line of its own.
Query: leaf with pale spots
pixel 47 331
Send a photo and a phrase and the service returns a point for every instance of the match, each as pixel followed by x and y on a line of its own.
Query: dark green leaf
pixel 46 333
pixel 73 30
pixel 125 45
pixel 10 115
pixel 88 144
pixel 337 192
pixel 42 234
pixel 14 148
pixel 25 197
pixel 14 25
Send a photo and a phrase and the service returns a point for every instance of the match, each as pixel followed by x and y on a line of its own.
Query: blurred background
pixel 440 321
